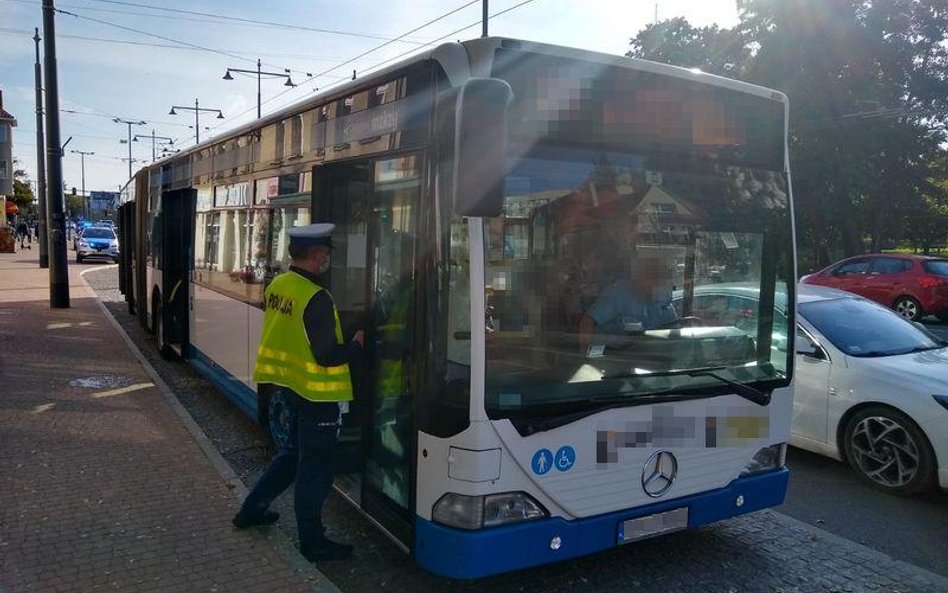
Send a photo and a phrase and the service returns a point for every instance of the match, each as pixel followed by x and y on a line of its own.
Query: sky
pixel 135 59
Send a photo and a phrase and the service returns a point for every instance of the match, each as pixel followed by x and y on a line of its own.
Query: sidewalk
pixel 102 487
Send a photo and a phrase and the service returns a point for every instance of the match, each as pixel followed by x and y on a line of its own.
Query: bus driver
pixel 631 305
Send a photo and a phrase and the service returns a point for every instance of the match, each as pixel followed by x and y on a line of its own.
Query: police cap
pixel 312 234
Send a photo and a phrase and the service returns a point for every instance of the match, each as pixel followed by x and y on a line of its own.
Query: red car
pixel 913 285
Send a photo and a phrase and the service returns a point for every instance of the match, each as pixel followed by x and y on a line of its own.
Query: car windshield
pixel 97 233
pixel 583 267
pixel 863 329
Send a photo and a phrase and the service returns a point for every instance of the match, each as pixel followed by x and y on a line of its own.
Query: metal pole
pixel 197 123
pixel 484 21
pixel 58 272
pixel 153 145
pixel 258 88
pixel 85 205
pixel 40 162
pixel 129 151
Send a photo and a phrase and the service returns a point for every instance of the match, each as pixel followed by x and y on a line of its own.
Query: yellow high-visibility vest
pixel 285 356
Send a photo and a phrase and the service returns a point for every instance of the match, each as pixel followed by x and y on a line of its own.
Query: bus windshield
pixel 591 274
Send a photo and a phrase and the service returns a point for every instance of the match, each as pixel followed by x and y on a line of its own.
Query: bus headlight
pixel 768 458
pixel 477 512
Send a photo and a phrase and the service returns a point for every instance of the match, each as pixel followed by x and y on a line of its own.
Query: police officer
pixel 302 351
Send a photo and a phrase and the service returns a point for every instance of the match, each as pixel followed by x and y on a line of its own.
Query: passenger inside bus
pixel 630 305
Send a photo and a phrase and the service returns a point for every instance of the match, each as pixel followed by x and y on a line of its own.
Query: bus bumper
pixel 461 554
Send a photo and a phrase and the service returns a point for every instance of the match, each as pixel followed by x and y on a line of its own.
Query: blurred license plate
pixel 652 525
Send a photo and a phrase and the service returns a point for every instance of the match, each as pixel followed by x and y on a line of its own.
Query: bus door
pixel 126 220
pixel 176 256
pixel 375 205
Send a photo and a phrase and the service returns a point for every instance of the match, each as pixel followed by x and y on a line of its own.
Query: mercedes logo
pixel 659 473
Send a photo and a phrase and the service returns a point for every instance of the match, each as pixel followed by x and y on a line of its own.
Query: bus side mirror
pixel 480 147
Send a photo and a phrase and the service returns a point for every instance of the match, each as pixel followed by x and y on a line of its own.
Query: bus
pixel 512 221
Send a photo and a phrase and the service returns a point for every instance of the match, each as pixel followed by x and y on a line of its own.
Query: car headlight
pixel 82 243
pixel 477 512
pixel 942 399
pixel 768 458
pixel 113 243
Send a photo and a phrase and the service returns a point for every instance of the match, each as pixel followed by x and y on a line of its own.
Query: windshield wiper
pixel 746 391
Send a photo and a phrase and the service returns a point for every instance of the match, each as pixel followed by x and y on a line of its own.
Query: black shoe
pixel 329 550
pixel 243 520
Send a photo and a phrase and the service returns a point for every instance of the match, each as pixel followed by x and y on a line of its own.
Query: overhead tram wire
pixel 432 42
pixel 155 35
pixel 451 34
pixel 147 121
pixel 236 20
pixel 362 55
pixel 172 40
pixel 177 47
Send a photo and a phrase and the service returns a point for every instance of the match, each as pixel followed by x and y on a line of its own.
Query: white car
pixel 870 388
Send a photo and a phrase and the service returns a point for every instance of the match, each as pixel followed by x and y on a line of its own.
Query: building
pixel 7 123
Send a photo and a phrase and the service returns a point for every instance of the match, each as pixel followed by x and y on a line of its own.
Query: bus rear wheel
pixel 275 415
pixel 164 350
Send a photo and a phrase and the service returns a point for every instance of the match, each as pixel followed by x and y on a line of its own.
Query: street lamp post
pixel 82 157
pixel 197 121
pixel 41 230
pixel 153 138
pixel 129 124
pixel 260 74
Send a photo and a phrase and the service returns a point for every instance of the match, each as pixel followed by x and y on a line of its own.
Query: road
pixel 826 494
pixel 764 552
pixel 937 327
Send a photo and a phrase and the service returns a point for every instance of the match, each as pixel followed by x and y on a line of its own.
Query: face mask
pixel 325 267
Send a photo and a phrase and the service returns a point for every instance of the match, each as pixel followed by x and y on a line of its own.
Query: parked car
pixel 98 242
pixel 912 285
pixel 870 388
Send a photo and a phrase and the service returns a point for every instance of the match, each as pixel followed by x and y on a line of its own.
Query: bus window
pixel 284 218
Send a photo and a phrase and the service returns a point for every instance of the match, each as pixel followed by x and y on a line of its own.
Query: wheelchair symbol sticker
pixel 542 461
pixel 565 458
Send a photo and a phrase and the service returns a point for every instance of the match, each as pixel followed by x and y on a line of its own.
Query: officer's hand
pixel 359 338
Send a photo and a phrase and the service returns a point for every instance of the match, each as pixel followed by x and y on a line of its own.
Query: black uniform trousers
pixel 307 457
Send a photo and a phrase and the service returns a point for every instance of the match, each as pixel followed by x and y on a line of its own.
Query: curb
pixel 284 547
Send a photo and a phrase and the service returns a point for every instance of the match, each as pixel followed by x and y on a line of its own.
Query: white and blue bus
pixel 499 206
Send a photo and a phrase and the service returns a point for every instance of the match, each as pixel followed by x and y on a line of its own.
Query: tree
pixel 714 50
pixel 75 205
pixel 22 192
pixel 868 88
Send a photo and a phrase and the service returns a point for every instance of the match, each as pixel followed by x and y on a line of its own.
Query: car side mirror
pixel 809 349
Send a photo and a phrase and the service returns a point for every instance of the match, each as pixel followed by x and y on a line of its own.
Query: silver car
pixel 97 242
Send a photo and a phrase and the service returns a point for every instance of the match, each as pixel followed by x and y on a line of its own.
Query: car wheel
pixel 889 451
pixel 908 308
pixel 78 258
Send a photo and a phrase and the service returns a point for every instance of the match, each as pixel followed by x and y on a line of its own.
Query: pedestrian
pixel 23 232
pixel 302 353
